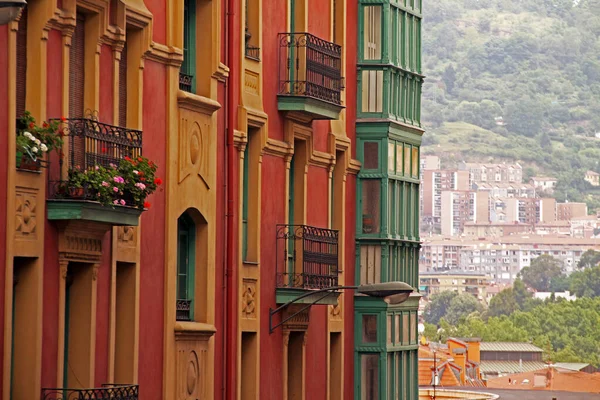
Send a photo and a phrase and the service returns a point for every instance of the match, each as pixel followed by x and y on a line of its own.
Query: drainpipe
pixel 230 337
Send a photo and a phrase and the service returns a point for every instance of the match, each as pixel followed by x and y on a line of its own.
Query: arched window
pixel 186 260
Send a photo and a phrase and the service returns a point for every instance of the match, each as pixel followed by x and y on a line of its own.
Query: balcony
pixel 91 144
pixel 306 259
pixel 108 391
pixel 310 76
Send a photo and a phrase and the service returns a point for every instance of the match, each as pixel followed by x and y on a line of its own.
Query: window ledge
pixel 184 328
pixel 194 102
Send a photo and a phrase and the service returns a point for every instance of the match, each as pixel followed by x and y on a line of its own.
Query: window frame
pixel 186 226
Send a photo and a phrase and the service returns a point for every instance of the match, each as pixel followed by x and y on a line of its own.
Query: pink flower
pixel 116 202
pixel 135 172
pixel 113 166
pixel 119 179
pixel 115 189
pixel 97 168
pixel 122 202
pixel 105 184
pixel 140 186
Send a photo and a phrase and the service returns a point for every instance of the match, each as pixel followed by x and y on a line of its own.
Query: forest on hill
pixel 515 81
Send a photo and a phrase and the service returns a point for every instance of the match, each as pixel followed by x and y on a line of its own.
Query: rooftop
pixel 509 347
pixel 509 367
pixel 543 178
pixel 550 378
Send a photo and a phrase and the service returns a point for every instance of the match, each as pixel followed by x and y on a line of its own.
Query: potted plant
pixel 34 141
pixel 126 184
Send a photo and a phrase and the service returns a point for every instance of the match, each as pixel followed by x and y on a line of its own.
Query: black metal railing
pixel 91 143
pixel 252 52
pixel 183 311
pixel 310 66
pixel 306 257
pixel 106 392
pixel 185 82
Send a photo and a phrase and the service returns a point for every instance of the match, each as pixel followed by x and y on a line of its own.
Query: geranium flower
pixel 147 204
pixel 105 184
pixel 140 186
pixel 63 119
pixel 158 181
pixel 122 202
pixel 115 189
pixel 116 202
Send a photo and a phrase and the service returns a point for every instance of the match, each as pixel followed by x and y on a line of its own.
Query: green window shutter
pixel 245 204
pixel 188 66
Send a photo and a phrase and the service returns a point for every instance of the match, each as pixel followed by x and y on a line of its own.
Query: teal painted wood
pixel 313 108
pixel 283 295
pixel 60 210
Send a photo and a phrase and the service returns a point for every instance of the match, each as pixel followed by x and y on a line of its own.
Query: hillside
pixel 516 81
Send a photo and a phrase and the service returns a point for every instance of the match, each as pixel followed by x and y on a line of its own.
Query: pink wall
pixel 153 237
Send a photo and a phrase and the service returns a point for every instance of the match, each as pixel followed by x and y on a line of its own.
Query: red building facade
pixel 248 108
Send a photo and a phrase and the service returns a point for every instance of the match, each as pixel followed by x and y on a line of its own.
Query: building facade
pixel 389 132
pixel 288 138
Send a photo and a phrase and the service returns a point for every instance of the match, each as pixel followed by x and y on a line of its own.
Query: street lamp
pixel 390 292
pixel 9 10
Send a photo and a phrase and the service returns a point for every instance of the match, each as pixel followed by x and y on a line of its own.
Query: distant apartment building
pixel 544 183
pixel 430 162
pixel 488 173
pixel 593 178
pixel 434 182
pixel 503 189
pixel 493 229
pixel 459 207
pixel 432 283
pixel 525 210
pixel 568 211
pixel 500 258
pixel 584 227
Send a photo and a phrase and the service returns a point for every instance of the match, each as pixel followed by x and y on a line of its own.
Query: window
pixel 371 206
pixel 372 33
pixel 369 331
pixel 187 73
pixel 186 256
pixel 369 379
pixel 22 62
pixel 123 87
pixel 372 91
pixel 245 203
pixel 371 155
pixel 76 71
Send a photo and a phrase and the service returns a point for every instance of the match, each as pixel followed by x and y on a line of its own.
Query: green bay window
pixel 187 74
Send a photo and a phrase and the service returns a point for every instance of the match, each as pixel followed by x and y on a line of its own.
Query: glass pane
pixel 413 328
pixel 396 375
pixel 389 329
pixel 371 155
pixel 371 204
pixel 391 159
pixel 405 329
pixel 397 329
pixel 369 323
pixel 415 161
pixel 390 374
pixel 372 91
pixel 369 377
pixel 399 158
pixel 390 216
pixel 372 44
pixel 407 160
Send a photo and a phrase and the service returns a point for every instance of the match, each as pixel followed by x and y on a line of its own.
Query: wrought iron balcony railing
pixel 310 66
pixel 306 257
pixel 106 392
pixel 91 143
pixel 185 82
pixel 183 311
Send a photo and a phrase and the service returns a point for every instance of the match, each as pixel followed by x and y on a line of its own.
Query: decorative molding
pixel 335 311
pixel 163 54
pixel 249 298
pixel 194 145
pixel 354 167
pixel 299 322
pixel 321 159
pixel 197 103
pixel 278 148
pixel 127 236
pixel 222 73
pixel 240 139
pixel 251 82
pixel 26 214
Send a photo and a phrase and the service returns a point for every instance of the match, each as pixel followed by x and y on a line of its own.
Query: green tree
pixel 461 306
pixel 586 283
pixel 542 271
pixel 590 258
pixel 504 303
pixel 438 307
